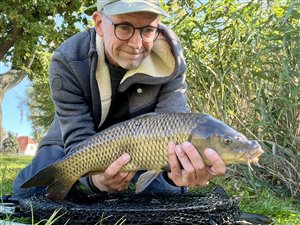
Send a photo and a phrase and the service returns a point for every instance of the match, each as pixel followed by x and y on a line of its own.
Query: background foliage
pixel 10 144
pixel 243 68
pixel 243 63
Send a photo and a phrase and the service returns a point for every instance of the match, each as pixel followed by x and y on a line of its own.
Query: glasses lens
pixel 149 33
pixel 123 31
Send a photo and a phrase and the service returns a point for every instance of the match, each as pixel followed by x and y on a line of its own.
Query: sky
pixel 11 111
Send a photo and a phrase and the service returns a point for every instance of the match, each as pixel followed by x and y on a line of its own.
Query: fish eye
pixel 227 140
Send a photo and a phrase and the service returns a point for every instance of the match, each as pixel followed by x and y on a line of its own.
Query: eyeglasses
pixel 124 31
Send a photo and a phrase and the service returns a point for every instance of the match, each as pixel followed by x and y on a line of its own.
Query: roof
pixel 23 142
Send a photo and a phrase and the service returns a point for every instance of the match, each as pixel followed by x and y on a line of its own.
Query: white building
pixel 27 145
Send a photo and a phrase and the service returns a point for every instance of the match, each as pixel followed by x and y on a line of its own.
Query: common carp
pixel 145 139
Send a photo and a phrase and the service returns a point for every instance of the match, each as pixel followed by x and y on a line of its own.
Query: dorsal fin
pixel 146 115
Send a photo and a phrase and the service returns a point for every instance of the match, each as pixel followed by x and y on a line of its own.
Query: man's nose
pixel 136 40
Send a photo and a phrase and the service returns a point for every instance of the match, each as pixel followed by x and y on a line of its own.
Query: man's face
pixel 130 53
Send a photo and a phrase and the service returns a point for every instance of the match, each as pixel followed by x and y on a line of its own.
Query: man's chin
pixel 130 65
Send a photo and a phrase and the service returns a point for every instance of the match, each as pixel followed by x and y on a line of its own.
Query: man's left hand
pixel 194 172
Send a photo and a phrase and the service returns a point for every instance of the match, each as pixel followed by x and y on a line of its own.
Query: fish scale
pixel 145 139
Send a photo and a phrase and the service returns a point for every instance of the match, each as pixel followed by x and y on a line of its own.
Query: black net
pixel 210 208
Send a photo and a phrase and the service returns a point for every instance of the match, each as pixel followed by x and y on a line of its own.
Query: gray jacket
pixel 81 91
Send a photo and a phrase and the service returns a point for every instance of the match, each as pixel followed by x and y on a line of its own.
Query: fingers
pixel 116 166
pixel 122 183
pixel 175 174
pixel 188 167
pixel 184 176
pixel 200 169
pixel 116 184
pixel 218 167
pixel 188 173
pixel 112 180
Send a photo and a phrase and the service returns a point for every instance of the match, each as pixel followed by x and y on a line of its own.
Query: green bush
pixel 10 144
pixel 243 68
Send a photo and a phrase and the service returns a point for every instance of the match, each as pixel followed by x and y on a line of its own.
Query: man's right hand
pixel 112 180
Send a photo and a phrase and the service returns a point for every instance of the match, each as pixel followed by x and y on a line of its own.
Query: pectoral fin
pixel 58 190
pixel 166 168
pixel 145 180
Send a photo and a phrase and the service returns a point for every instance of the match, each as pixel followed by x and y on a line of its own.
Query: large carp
pixel 145 139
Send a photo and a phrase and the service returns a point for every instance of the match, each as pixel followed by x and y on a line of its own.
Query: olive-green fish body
pixel 145 139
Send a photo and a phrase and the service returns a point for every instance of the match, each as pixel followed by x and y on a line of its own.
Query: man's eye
pixel 124 27
pixel 149 30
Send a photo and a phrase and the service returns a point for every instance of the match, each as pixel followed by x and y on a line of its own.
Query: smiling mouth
pixel 132 52
pixel 133 55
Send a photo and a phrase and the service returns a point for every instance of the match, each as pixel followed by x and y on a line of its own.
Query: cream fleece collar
pixel 160 63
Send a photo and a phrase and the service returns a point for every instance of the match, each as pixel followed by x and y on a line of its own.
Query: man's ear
pixel 97 17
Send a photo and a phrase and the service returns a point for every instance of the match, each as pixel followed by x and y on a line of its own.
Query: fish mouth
pixel 252 156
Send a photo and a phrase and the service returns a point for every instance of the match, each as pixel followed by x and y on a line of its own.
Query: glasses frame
pixel 134 28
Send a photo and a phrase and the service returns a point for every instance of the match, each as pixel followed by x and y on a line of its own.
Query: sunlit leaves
pixel 242 55
pixel 243 62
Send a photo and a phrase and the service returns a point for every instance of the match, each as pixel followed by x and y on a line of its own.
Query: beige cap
pixel 116 7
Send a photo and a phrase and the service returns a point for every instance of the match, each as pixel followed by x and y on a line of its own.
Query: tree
pixel 10 144
pixel 29 28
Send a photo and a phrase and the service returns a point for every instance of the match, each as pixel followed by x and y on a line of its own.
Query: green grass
pixel 10 165
pixel 254 199
pixel 260 200
pixel 265 201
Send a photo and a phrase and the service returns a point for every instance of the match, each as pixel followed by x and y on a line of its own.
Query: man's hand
pixel 112 180
pixel 194 171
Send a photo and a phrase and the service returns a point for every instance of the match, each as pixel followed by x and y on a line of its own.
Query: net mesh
pixel 213 207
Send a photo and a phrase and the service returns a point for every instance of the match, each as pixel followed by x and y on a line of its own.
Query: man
pixel 128 65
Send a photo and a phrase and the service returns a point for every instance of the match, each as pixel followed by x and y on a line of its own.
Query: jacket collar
pixel 160 64
pixel 158 68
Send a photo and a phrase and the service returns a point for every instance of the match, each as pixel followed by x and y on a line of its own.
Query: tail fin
pixel 42 178
pixel 57 188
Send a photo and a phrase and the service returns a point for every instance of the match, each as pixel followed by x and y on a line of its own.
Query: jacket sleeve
pixel 71 104
pixel 172 97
